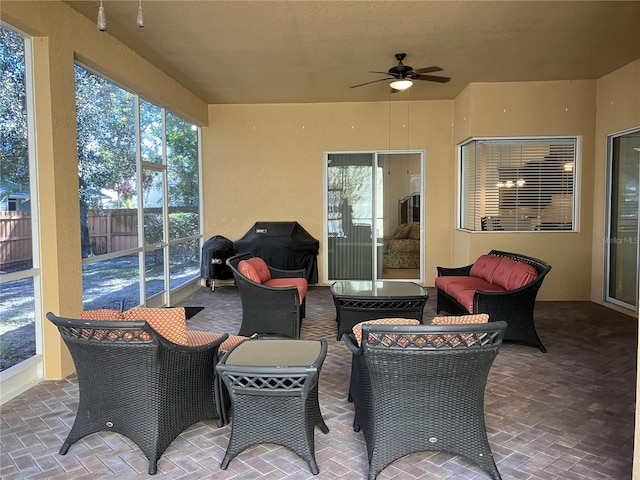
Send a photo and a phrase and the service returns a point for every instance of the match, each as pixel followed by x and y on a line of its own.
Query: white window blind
pixel 518 184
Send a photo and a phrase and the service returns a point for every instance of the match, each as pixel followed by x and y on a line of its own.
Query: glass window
pixel 518 184
pixel 139 194
pixel 20 322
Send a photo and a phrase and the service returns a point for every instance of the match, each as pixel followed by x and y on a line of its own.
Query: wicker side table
pixel 273 387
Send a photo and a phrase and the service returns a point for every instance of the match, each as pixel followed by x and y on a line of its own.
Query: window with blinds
pixel 518 184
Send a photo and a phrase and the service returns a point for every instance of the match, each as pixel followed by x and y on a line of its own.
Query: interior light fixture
pixel 510 183
pixel 102 19
pixel 401 84
pixel 140 17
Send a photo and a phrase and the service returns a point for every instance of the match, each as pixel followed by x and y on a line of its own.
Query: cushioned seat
pixel 273 300
pixel 501 284
pixel 134 381
pixel 421 388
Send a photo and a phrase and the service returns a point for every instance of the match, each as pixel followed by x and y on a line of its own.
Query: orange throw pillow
pixel 357 329
pixel 197 338
pixel 101 314
pixel 170 323
pixel 461 320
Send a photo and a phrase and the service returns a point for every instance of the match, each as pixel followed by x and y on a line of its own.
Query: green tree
pixel 106 136
pixel 182 162
pixel 14 159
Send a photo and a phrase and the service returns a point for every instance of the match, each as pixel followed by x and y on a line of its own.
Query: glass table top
pixel 275 353
pixel 378 289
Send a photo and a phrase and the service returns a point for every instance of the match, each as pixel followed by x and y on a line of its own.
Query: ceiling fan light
pixel 401 84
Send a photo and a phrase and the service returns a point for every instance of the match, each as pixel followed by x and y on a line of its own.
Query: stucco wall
pixel 265 162
pixel 618 104
pixel 61 35
pixel 535 109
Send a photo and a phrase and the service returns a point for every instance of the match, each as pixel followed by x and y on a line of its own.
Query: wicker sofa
pixel 402 248
pixel 501 284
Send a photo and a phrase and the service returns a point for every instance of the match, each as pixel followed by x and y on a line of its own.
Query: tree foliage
pixel 14 158
pixel 106 122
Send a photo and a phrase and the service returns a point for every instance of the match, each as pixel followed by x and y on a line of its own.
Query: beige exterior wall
pixel 618 103
pixel 535 109
pixel 61 35
pixel 265 162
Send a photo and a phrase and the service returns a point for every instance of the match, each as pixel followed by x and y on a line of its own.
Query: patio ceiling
pixel 313 51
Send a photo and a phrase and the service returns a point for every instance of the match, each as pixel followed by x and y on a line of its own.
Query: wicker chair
pixel 134 382
pixel 268 310
pixel 421 388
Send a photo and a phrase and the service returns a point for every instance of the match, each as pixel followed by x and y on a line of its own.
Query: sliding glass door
pixel 621 245
pixel 373 221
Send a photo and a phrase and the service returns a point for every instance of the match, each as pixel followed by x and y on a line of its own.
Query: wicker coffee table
pixel 273 387
pixel 357 301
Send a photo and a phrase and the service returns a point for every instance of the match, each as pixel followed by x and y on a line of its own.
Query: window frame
pixel 172 289
pixel 23 375
pixel 538 227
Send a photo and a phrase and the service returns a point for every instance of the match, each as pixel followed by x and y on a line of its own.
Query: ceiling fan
pixel 402 75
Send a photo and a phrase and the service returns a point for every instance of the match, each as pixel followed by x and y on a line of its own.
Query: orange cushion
pixel 249 271
pixel 485 266
pixel 105 314
pixel 197 337
pixel 521 274
pixel 461 319
pixel 101 314
pixel 299 282
pixel 357 328
pixel 170 323
pixel 261 268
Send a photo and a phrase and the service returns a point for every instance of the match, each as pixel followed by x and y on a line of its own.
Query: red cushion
pixel 521 274
pixel 450 285
pixel 261 268
pixel 503 271
pixel 463 288
pixel 485 266
pixel 301 283
pixel 249 271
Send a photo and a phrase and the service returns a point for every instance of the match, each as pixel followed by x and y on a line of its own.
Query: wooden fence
pixel 109 231
pixel 15 238
pixel 113 230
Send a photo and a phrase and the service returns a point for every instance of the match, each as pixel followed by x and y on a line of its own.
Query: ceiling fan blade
pixel 373 81
pixel 432 78
pixel 428 69
pixel 380 73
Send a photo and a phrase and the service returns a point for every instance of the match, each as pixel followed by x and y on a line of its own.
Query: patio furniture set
pixel 414 387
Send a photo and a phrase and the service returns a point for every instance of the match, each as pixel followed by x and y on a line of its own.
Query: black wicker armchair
pixel 421 388
pixel 134 382
pixel 269 309
pixel 514 306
